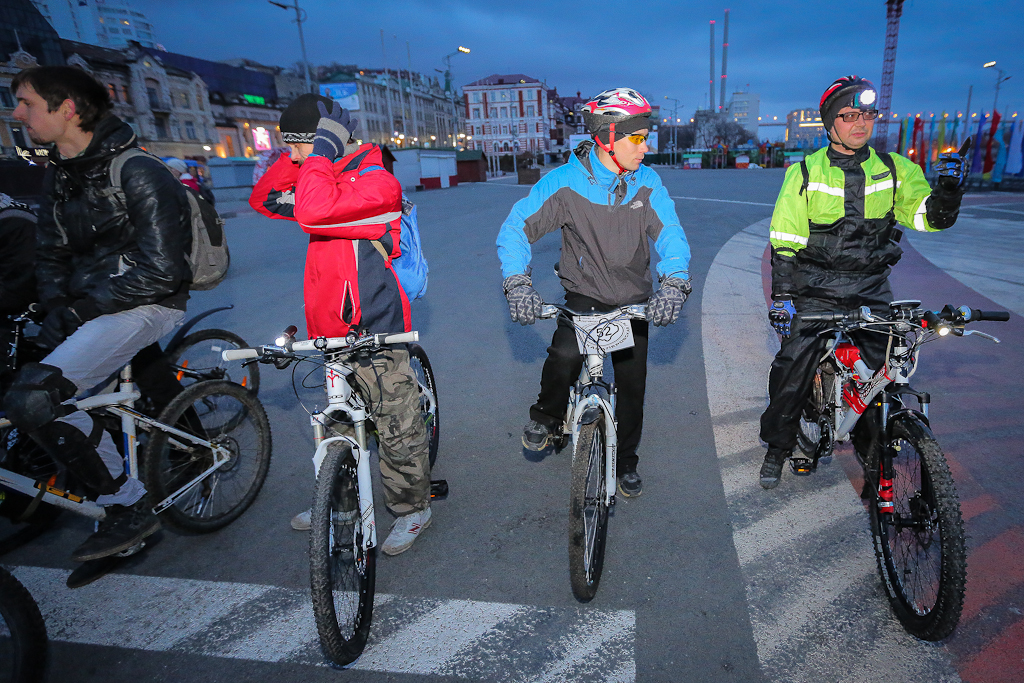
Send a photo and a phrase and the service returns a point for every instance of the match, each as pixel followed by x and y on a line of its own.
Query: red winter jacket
pixel 343 206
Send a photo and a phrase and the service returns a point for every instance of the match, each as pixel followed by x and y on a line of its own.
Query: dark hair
pixel 58 83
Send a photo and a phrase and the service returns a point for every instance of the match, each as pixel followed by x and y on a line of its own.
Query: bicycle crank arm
pixel 219 458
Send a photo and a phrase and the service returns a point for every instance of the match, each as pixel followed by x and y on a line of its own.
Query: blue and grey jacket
pixel 605 221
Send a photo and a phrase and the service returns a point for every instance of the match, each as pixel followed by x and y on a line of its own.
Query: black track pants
pixel 562 368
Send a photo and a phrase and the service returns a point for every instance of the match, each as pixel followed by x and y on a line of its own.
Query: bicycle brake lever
pixel 981 334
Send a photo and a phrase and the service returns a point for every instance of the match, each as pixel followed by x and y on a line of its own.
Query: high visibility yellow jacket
pixel 840 220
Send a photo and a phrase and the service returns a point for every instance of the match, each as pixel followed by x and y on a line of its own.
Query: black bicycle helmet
pixel 848 91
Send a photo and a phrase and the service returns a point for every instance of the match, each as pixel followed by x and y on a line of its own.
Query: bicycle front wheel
pixel 588 512
pixel 920 546
pixel 428 396
pixel 198 357
pixel 23 642
pixel 341 571
pixel 227 415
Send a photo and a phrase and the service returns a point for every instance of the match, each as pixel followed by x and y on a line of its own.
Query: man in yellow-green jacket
pixel 834 238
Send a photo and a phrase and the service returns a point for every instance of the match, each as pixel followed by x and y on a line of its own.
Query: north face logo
pixel 636 204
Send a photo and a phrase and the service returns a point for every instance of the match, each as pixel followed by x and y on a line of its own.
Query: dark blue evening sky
pixel 787 52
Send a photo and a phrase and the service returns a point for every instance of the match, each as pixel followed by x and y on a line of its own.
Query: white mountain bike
pixel 590 425
pixel 343 534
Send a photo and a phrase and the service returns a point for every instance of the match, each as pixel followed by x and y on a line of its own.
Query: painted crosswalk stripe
pixel 458 638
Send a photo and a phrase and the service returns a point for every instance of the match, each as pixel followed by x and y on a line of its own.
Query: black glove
pixel 952 171
pixel 664 305
pixel 333 131
pixel 780 315
pixel 524 303
pixel 59 324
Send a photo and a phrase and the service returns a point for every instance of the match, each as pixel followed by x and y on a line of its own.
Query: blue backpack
pixel 411 267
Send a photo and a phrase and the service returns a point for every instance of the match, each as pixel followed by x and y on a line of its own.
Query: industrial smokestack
pixel 711 81
pixel 725 51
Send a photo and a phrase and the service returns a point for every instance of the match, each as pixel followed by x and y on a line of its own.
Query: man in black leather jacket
pixel 112 277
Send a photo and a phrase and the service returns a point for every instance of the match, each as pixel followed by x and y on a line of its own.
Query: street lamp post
pixel 448 85
pixel 675 125
pixel 300 16
pixel 999 80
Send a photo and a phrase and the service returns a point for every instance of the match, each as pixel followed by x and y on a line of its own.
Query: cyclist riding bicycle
pixel 112 278
pixel 834 240
pixel 339 192
pixel 607 205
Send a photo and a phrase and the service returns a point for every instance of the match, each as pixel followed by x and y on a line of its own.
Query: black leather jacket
pixel 90 246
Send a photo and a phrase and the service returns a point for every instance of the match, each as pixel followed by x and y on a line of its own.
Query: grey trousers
pixel 97 350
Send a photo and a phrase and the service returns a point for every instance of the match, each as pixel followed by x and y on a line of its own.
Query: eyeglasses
pixel 636 138
pixel 851 116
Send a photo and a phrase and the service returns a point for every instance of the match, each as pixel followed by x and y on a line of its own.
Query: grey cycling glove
pixel 524 303
pixel 664 305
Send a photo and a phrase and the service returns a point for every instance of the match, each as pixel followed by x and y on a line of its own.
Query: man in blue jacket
pixel 608 206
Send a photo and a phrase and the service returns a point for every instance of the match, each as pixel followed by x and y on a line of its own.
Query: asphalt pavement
pixel 707 577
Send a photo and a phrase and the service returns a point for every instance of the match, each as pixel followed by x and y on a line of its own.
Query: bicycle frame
pixel 121 403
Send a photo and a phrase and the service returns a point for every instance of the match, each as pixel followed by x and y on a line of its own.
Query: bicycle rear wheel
pixel 428 396
pixel 341 572
pixel 23 642
pixel 225 414
pixel 920 546
pixel 588 512
pixel 198 357
pixel 815 418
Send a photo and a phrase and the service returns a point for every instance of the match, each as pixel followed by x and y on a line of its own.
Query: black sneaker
pixel 535 436
pixel 631 485
pixel 771 470
pixel 122 528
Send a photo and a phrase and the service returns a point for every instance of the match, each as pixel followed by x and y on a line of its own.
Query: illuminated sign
pixel 345 94
pixel 261 138
pixel 254 99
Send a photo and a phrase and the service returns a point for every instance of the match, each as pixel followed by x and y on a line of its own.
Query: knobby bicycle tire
pixel 588 513
pixel 224 413
pixel 921 546
pixel 207 361
pixel 431 413
pixel 23 642
pixel 341 573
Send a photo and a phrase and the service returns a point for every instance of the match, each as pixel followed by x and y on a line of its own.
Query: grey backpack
pixel 209 258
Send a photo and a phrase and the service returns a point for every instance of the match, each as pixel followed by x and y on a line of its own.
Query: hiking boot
pixel 404 532
pixel 630 485
pixel 300 522
pixel 535 436
pixel 122 528
pixel 771 470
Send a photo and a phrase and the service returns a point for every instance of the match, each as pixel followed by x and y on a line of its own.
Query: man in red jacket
pixel 339 192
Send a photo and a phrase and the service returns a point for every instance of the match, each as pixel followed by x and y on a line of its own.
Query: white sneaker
pixel 404 532
pixel 300 522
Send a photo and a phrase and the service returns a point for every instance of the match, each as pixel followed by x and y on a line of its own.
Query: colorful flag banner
pixel 1015 155
pixel 989 157
pixel 979 144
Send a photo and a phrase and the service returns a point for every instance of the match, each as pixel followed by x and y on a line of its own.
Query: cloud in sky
pixel 786 52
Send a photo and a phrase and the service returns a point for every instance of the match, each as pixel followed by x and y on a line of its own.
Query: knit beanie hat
pixel 298 122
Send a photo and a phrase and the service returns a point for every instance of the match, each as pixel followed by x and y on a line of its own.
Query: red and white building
pixel 508 113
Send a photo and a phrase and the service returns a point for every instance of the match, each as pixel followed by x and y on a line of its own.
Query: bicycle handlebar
pixel 637 311
pixel 957 316
pixel 319 344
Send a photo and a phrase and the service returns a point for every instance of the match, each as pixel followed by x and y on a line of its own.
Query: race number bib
pixel 603 333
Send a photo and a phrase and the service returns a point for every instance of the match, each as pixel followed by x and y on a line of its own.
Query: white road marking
pixel 462 638
pixel 723 201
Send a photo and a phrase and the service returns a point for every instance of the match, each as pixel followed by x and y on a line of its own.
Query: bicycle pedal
pixel 801 466
pixel 438 489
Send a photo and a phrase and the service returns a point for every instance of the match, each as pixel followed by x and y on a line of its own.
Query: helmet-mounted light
pixel 864 98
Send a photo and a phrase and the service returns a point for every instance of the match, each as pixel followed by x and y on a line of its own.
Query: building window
pixel 504 112
pixel 199 100
pixel 161 128
pixel 125 96
pixel 154 98
pixel 185 100
pixel 190 130
pixel 112 91
pixel 494 112
pixel 476 112
pixel 6 98
pixel 540 128
pixel 530 110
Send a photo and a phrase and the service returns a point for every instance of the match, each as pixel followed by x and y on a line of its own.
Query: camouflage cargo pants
pixel 392 394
